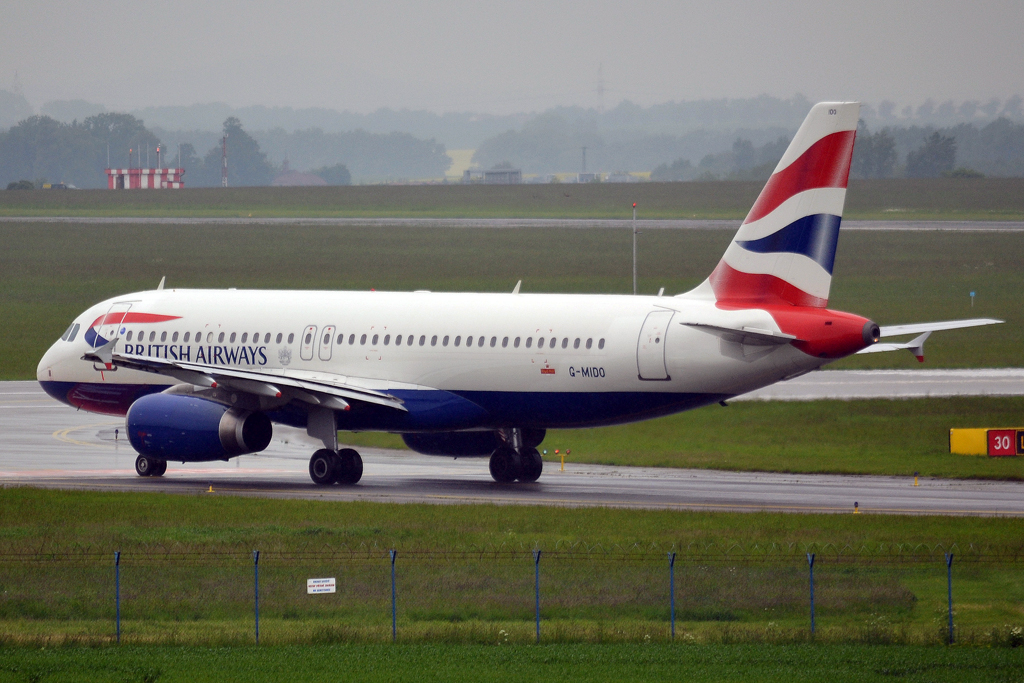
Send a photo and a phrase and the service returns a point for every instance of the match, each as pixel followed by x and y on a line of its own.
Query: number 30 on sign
pixel 1002 442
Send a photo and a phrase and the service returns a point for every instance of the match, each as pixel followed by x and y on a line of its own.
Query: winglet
pixel 162 281
pixel 515 290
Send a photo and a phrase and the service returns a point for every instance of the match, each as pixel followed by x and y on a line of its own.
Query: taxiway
pixel 47 444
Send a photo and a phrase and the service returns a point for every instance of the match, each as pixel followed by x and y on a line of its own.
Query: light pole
pixel 634 248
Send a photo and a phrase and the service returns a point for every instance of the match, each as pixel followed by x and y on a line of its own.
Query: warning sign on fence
pixel 315 586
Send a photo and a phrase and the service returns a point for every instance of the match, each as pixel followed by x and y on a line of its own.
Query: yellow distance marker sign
pixel 995 443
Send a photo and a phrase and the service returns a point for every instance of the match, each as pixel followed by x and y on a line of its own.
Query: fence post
pixel 394 610
pixel 117 592
pixel 536 589
pixel 810 564
pixel 256 590
pixel 672 591
pixel 949 590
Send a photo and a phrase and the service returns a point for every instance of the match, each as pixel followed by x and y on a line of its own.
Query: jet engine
pixel 193 429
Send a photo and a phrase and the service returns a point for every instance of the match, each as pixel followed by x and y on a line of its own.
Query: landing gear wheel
pixel 505 465
pixel 161 467
pixel 145 466
pixel 532 466
pixel 350 467
pixel 322 467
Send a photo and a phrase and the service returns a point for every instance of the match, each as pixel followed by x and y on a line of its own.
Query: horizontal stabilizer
pixel 918 328
pixel 923 330
pixel 915 346
pixel 754 336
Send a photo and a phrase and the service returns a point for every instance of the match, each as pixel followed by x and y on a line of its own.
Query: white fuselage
pixel 488 348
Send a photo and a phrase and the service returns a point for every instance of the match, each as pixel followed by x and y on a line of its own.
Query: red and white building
pixel 145 178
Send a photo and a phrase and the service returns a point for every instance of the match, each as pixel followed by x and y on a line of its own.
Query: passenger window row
pixel 211 337
pixel 399 340
pixel 470 340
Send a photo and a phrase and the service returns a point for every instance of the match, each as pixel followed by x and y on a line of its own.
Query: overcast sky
pixel 502 57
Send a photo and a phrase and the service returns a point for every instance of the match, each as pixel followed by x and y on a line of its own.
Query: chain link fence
pixel 180 593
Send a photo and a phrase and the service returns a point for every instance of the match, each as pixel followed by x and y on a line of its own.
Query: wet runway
pixel 48 444
pixel 497 223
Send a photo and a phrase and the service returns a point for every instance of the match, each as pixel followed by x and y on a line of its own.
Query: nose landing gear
pixel 328 467
pixel 515 460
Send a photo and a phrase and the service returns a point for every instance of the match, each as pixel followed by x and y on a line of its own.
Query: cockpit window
pixel 74 332
pixel 71 333
pixel 67 332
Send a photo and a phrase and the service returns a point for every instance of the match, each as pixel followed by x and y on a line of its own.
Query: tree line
pixel 41 149
pixel 964 150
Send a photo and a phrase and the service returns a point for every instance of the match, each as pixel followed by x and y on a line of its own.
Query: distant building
pixel 621 177
pixel 495 176
pixel 145 178
pixel 290 178
pixel 586 177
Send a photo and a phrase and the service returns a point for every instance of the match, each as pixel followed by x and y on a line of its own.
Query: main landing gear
pixel 515 459
pixel 335 467
pixel 146 466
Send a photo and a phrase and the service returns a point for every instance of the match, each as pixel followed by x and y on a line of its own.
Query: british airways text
pixel 213 355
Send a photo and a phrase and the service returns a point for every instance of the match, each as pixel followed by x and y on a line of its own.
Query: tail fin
pixel 784 251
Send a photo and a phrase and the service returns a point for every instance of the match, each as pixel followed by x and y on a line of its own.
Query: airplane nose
pixel 44 371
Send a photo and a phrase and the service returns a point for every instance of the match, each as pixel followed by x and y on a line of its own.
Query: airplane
pixel 204 375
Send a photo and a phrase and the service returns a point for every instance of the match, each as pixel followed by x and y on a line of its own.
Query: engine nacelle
pixel 193 429
pixel 465 444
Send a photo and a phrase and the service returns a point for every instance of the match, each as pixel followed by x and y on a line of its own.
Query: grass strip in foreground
pixel 465 573
pixel 789 664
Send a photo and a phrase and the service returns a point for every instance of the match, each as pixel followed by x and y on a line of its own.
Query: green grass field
pixel 742 663
pixel 465 573
pixel 941 199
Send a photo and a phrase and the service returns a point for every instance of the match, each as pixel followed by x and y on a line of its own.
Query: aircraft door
pixel 650 348
pixel 308 342
pixel 326 342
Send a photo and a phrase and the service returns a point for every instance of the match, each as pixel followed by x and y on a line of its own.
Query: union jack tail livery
pixel 784 251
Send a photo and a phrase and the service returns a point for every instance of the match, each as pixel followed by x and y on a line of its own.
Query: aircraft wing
pixel 329 391
pixel 923 330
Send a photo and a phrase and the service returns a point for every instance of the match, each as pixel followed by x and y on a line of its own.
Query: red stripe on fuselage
pixel 826 163
pixel 743 290
pixel 132 317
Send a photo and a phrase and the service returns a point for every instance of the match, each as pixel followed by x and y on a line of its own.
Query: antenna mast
pixel 224 161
